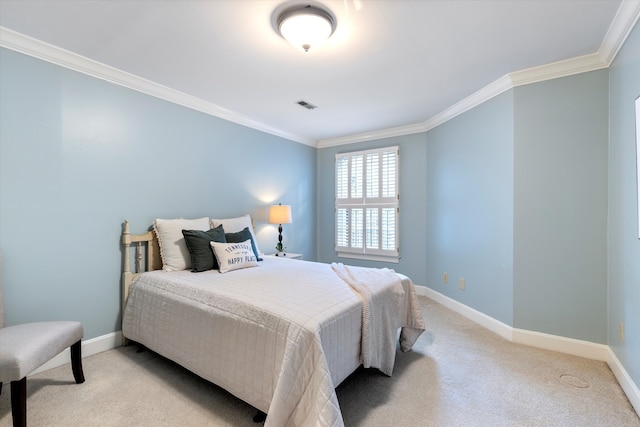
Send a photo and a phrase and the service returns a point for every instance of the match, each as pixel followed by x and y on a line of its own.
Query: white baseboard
pixel 481 319
pixel 572 346
pixel 89 348
pixel 628 386
pixel 575 347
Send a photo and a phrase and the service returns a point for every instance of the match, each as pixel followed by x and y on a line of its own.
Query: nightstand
pixel 289 255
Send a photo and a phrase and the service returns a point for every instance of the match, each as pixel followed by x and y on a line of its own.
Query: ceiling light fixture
pixel 306 26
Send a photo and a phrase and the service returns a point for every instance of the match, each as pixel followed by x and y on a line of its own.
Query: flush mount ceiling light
pixel 306 26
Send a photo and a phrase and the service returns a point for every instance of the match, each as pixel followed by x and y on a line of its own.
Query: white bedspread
pixel 280 336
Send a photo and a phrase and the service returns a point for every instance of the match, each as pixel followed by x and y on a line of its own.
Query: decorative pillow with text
pixel 234 256
pixel 241 236
pixel 233 225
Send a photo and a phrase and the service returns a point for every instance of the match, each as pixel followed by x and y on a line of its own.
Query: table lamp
pixel 280 214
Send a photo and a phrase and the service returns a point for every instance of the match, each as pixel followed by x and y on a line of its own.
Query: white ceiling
pixel 389 64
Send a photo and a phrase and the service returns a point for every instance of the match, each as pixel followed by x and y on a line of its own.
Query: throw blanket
pixel 385 307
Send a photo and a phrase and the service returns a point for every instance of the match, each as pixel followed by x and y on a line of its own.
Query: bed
pixel 280 335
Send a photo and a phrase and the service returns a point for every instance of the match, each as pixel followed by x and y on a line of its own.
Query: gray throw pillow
pixel 198 243
pixel 242 236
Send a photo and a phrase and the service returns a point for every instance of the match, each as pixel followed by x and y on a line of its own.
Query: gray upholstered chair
pixel 26 347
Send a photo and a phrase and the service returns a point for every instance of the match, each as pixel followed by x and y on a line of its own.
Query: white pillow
pixel 173 249
pixel 233 225
pixel 234 256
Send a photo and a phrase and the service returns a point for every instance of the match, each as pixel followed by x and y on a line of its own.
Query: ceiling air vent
pixel 306 105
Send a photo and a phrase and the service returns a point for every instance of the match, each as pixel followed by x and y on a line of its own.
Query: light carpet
pixel 459 374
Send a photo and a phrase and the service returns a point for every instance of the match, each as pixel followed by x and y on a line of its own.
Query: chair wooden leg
pixel 19 402
pixel 76 362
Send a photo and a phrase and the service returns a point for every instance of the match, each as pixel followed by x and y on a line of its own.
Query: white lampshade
pixel 280 214
pixel 306 27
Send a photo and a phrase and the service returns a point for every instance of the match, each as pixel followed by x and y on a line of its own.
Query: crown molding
pixel 369 136
pixel 497 87
pixel 541 73
pixel 492 90
pixel 569 67
pixel 38 49
pixel 623 23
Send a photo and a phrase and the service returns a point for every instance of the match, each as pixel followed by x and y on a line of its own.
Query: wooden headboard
pixel 148 242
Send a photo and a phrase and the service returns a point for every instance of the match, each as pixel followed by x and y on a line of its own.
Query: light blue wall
pixel 455 206
pixel 515 204
pixel 469 223
pixel 524 175
pixel 624 245
pixel 413 205
pixel 79 155
pixel 560 206
pixel 533 203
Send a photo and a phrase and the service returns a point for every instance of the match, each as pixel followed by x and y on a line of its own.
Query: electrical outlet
pixel 462 285
pixel 445 278
pixel 622 332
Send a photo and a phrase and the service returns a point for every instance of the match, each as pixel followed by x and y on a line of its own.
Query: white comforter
pixel 280 336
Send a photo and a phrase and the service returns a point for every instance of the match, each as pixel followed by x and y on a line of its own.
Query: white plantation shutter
pixel 389 229
pixel 357 228
pixel 357 166
pixel 367 204
pixel 373 229
pixel 373 170
pixel 342 178
pixel 389 176
pixel 342 227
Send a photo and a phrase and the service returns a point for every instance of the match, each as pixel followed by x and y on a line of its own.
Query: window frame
pixel 362 203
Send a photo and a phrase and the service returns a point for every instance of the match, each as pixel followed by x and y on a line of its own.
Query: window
pixel 367 204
